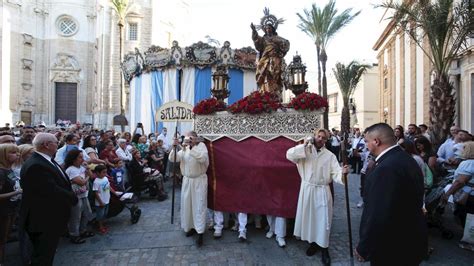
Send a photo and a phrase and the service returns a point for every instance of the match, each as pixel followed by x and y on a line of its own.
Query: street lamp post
pixel 220 79
pixel 297 72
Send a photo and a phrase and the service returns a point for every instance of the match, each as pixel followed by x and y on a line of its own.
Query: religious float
pixel 247 137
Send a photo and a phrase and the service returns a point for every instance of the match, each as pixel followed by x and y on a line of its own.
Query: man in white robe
pixel 317 167
pixel 194 160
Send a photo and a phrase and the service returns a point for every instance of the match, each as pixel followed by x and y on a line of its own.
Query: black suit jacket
pixel 393 228
pixel 47 196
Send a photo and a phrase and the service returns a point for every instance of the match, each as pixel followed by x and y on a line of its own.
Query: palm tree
pixel 121 8
pixel 322 25
pixel 445 27
pixel 348 77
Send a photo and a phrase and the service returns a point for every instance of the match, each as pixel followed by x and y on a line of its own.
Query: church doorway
pixel 66 101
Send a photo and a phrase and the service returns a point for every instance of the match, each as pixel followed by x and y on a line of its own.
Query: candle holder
pixel 220 79
pixel 296 75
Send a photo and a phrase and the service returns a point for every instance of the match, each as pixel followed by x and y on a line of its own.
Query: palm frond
pixel 121 8
pixel 348 77
pixel 444 24
pixel 321 24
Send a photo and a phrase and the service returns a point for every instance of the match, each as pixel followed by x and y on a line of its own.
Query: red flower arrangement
pixel 308 101
pixel 209 106
pixel 256 103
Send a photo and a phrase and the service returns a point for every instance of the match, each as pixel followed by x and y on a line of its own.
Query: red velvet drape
pixel 253 176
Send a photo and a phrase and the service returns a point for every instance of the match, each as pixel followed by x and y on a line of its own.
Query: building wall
pixel 404 79
pixel 406 97
pixel 365 97
pixel 463 76
pixel 35 55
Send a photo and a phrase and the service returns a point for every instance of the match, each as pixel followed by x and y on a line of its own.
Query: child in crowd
pixel 117 174
pixel 81 212
pixel 102 190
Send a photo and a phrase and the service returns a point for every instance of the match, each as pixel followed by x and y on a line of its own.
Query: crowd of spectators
pixel 97 162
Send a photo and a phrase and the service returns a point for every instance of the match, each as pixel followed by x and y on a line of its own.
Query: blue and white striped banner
pixel 151 90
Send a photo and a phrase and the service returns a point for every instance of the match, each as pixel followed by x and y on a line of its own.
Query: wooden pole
pixel 346 192
pixel 174 174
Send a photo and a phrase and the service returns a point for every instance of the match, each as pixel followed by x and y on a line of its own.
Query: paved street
pixel 154 241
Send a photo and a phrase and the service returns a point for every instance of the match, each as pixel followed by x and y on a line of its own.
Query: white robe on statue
pixel 193 165
pixel 314 212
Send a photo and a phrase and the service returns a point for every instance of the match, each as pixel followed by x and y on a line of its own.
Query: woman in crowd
pixel 81 212
pixel 108 154
pixel 151 137
pixel 399 134
pixel 409 147
pixel 154 157
pixel 9 193
pixel 425 150
pixel 126 156
pixel 90 149
pixel 141 174
pixel 26 150
pixel 142 147
pixel 463 185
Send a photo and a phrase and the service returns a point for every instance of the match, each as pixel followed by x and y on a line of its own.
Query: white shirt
pixel 335 141
pixel 166 142
pixel 356 141
pixel 124 155
pixel 446 150
pixel 102 186
pixel 60 156
pixel 385 151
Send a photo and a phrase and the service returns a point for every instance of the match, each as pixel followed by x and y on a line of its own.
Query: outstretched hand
pixel 252 27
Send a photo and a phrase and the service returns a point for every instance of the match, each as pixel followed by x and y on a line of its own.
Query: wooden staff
pixel 346 191
pixel 174 173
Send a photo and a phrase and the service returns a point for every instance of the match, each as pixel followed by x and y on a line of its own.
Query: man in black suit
pixel 392 228
pixel 47 199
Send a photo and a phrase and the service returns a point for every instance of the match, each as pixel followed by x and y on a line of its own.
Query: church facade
pixel 60 59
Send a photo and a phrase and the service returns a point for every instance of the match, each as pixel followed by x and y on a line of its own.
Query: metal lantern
pixel 296 73
pixel 220 79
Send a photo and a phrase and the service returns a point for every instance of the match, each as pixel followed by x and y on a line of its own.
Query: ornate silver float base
pixel 294 125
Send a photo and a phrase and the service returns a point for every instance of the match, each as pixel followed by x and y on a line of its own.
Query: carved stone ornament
pixel 26 86
pixel 27 102
pixel 201 54
pixel 294 125
pixel 245 58
pixel 27 64
pixel 132 65
pixel 27 39
pixel 225 54
pixel 176 53
pixel 156 58
pixel 65 68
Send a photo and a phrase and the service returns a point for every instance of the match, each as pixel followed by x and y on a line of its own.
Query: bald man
pixel 392 228
pixel 47 199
